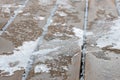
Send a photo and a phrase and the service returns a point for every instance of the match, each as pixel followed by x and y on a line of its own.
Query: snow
pixel 78 32
pixel 61 13
pixel 22 55
pixel 65 68
pixel 39 18
pixel 20 11
pixel 64 4
pixel 45 2
pixel 0 32
pixel 6 10
pixel 41 68
pixel 111 37
pixel 14 16
pixel 26 14
pixel 6 5
pixel 10 5
pixel 40 40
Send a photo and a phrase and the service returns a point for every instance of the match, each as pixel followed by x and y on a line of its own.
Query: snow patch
pixel 41 68
pixel 6 10
pixel 79 33
pixel 26 14
pixel 64 4
pixel 22 55
pixel 61 13
pixel 18 12
pixel 111 38
pixel 39 18
pixel 45 2
pixel 65 68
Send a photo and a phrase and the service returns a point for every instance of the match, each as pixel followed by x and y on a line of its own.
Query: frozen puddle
pixel 20 58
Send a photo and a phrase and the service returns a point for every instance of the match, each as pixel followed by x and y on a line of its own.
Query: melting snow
pixel 6 10
pixel 78 33
pixel 39 18
pixel 111 37
pixel 21 55
pixel 61 13
pixel 64 3
pixel 20 11
pixel 41 68
pixel 45 2
pixel 26 14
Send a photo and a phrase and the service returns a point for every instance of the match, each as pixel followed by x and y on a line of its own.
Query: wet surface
pixel 6 47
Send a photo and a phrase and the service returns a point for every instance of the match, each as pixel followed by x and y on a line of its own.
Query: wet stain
pixel 101 55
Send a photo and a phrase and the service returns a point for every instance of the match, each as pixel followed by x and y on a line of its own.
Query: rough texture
pixel 102 60
pixel 58 55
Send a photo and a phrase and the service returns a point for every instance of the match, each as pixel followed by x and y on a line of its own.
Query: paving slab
pixel 102 58
pixel 58 55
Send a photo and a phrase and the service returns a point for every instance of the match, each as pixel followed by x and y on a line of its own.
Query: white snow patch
pixel 65 68
pixel 11 6
pixel 111 37
pixel 79 33
pixel 39 18
pixel 6 10
pixel 1 32
pixel 58 34
pixel 18 12
pixel 61 13
pixel 45 2
pixel 6 6
pixel 41 68
pixel 62 34
pixel 89 33
pixel 64 24
pixel 22 55
pixel 26 14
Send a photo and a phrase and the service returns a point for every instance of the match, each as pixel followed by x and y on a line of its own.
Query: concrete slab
pixel 102 60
